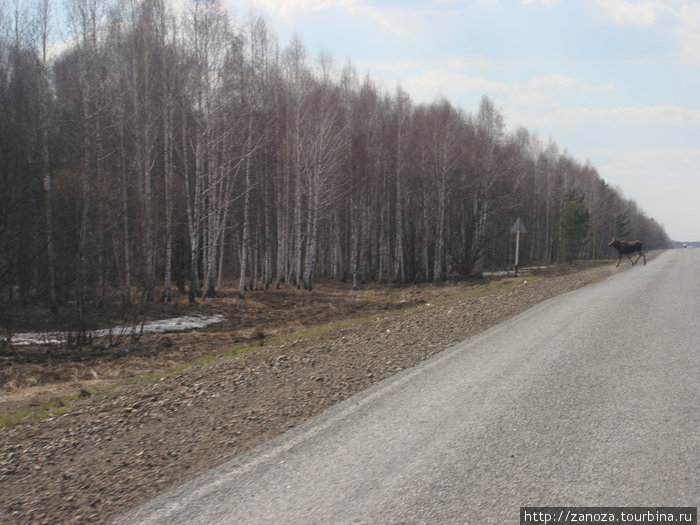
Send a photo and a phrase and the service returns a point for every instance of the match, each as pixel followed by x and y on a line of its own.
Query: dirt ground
pixel 32 376
pixel 118 443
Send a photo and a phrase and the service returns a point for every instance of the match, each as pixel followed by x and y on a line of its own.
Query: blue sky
pixel 615 82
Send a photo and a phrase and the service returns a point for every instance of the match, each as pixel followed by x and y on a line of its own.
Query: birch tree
pixel 324 138
pixel 403 108
pixel 144 77
pixel 44 35
pixel 206 35
pixel 445 155
pixel 297 78
pixel 490 128
pixel 85 21
pixel 151 150
pixel 20 182
pixel 255 78
pixel 170 73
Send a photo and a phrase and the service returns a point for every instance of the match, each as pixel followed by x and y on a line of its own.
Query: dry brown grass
pixel 32 376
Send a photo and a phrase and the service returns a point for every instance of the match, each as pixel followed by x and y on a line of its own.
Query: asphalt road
pixel 589 399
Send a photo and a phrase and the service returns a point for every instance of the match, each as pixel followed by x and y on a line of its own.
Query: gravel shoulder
pixel 119 448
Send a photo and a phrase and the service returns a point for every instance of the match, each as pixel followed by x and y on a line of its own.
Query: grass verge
pixel 67 404
pixel 32 415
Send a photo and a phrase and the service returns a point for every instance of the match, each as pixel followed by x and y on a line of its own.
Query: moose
pixel 625 248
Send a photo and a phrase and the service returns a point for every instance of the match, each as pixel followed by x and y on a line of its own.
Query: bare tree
pixel 490 128
pixel 169 70
pixel 298 80
pixel 44 33
pixel 253 90
pixel 85 20
pixel 325 137
pixel 403 109
pixel 155 147
pixel 206 35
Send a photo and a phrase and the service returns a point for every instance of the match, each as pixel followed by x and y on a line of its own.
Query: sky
pixel 612 82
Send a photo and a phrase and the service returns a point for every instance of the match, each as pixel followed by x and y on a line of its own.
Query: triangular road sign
pixel 518 227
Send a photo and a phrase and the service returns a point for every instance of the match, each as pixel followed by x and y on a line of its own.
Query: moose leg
pixel 618 260
pixel 641 254
pixel 630 258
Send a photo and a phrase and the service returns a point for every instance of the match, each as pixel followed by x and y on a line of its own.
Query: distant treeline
pixel 165 150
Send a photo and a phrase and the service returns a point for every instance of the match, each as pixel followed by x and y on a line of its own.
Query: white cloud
pixel 452 64
pixel 556 82
pixel 431 83
pixel 483 62
pixel 526 101
pixel 289 9
pixel 680 17
pixel 688 34
pixel 688 45
pixel 689 13
pixel 538 102
pixel 651 117
pixel 625 12
pixel 397 21
pixel 527 107
pixel 395 65
pixel 468 62
pixel 543 2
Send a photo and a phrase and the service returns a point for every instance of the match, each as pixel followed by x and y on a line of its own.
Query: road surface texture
pixel 591 398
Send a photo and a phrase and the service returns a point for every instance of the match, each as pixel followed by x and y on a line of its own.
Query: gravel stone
pixel 119 448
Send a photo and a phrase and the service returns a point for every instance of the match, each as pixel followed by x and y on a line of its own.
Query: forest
pixel 162 150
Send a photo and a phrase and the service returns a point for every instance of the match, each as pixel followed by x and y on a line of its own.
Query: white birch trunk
pixel 245 243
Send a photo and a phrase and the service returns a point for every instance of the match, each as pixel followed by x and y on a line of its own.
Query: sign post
pixel 517 229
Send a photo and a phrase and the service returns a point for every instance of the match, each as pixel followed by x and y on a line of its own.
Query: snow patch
pixel 523 270
pixel 175 324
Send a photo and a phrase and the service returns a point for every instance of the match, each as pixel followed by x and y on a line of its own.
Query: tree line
pixel 166 151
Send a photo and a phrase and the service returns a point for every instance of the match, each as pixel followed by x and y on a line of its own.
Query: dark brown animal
pixel 625 248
